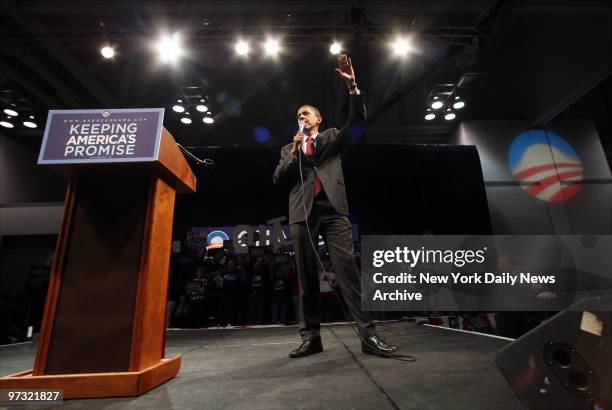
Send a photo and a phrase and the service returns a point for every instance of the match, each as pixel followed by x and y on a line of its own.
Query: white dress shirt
pixel 305 142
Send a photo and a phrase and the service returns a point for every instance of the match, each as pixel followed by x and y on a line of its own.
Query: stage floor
pixel 249 369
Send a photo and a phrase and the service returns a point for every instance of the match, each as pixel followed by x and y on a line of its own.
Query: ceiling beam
pixel 543 118
pixel 65 92
pixel 402 87
pixel 211 7
pixel 62 56
pixel 28 84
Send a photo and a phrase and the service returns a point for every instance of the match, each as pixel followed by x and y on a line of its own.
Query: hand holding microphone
pixel 297 139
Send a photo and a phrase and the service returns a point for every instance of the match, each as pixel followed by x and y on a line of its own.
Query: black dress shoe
pixel 377 345
pixel 307 348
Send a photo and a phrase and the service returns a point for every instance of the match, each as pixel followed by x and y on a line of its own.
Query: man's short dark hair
pixel 315 109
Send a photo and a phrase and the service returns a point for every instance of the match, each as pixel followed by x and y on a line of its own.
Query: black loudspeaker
pixel 564 363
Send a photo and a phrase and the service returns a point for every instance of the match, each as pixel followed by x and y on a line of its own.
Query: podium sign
pixel 99 136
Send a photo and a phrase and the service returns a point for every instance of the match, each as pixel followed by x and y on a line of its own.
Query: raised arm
pixel 346 72
pixel 357 110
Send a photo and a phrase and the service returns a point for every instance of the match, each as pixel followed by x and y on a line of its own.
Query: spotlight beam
pixel 401 46
pixel 404 86
pixel 107 52
pixel 272 47
pixel 264 76
pixel 169 48
pixel 335 48
pixel 242 48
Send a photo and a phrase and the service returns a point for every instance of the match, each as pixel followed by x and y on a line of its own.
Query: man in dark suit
pixel 319 206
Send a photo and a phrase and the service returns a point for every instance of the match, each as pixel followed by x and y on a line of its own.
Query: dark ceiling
pixel 529 60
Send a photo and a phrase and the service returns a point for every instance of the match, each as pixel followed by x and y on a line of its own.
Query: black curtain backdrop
pixel 392 189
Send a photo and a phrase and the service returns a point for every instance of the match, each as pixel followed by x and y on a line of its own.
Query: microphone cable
pixel 346 314
pixel 206 162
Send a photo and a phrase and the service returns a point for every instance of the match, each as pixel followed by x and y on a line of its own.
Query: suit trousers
pixel 337 232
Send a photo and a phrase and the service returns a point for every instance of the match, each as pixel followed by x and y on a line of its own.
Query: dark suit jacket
pixel 327 164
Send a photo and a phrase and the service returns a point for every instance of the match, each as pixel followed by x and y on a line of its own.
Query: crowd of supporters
pixel 222 288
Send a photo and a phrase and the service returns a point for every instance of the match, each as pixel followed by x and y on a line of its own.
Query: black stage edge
pixel 249 369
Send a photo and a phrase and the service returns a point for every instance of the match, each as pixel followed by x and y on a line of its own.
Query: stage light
pixel 208 120
pixel 31 123
pixel 449 116
pixel 178 108
pixel 335 48
pixel 242 48
pixel 10 112
pixel 107 52
pixel 201 108
pixel 261 134
pixel 169 48
pixel 185 118
pixel 430 116
pixel 458 104
pixel 6 124
pixel 271 47
pixel 436 105
pixel 401 47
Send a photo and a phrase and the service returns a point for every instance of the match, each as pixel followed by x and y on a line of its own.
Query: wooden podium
pixel 103 330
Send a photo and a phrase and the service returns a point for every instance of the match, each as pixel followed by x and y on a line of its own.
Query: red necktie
pixel 310 152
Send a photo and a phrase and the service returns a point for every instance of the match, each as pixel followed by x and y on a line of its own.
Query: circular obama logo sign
pixel 546 165
pixel 215 239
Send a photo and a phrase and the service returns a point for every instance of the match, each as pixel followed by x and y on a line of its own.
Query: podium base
pixel 90 385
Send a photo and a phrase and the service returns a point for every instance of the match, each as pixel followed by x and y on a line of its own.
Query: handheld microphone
pixel 302 124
